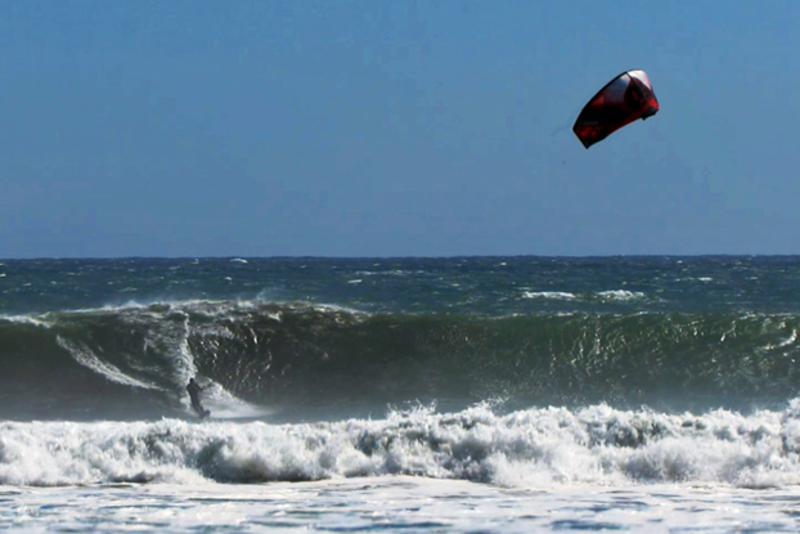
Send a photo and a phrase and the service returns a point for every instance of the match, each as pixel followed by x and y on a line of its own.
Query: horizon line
pixel 400 257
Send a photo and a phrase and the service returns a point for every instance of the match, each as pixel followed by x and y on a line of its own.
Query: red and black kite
pixel 624 99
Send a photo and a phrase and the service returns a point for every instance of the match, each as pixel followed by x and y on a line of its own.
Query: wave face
pixel 330 338
pixel 134 361
pixel 596 444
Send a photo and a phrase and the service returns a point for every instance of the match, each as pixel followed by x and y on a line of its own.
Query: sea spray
pixel 596 444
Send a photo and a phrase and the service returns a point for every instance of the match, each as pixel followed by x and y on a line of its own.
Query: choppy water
pixel 349 394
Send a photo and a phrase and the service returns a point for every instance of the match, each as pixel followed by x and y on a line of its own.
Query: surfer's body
pixel 194 390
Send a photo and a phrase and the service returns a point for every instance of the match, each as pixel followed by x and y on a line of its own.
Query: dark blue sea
pixel 430 394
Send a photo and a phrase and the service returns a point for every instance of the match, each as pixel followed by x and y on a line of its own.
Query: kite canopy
pixel 624 99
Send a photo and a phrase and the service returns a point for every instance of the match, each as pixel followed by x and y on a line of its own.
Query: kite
pixel 624 99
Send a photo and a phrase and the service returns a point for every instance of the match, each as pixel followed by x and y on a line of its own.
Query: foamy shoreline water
pixel 399 503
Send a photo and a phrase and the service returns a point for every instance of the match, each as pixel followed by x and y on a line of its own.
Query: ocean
pixel 499 394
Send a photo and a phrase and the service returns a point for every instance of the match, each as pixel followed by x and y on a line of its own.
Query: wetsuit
pixel 194 394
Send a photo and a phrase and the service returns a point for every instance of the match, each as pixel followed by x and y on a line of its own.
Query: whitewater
pixel 510 394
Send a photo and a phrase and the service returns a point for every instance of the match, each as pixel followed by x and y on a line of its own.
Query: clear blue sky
pixel 394 128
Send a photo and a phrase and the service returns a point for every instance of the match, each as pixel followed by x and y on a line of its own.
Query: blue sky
pixel 394 128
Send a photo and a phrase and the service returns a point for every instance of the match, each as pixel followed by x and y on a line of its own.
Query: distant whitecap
pixel 620 294
pixel 553 295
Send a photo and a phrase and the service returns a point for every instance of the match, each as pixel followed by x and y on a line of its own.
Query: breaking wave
pixel 134 361
pixel 596 444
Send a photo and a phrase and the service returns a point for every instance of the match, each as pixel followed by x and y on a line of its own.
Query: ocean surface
pixel 506 394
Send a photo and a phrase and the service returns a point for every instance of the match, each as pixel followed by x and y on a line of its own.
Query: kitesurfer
pixel 194 390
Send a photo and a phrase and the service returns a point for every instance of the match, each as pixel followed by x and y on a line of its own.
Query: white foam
pixel 397 504
pixel 85 357
pixel 207 307
pixel 390 272
pixel 553 295
pixel 540 446
pixel 620 295
pixel 26 319
pixel 783 343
